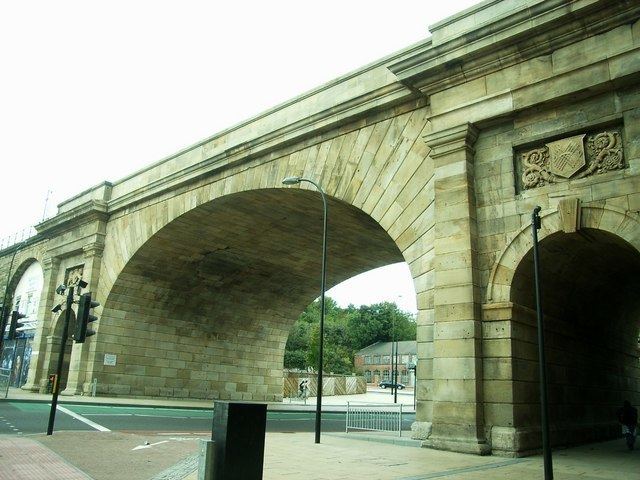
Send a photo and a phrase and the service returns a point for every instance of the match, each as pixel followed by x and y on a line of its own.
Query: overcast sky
pixel 93 91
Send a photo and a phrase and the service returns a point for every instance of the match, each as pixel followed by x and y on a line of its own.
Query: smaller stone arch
pixel 58 324
pixel 591 327
pixel 610 219
pixel 18 272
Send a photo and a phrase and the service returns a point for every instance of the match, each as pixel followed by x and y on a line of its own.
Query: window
pixel 30 309
pixel 376 375
pixel 405 359
pixel 385 375
pixel 386 359
pixel 16 304
pixel 405 377
pixel 376 359
pixel 367 376
pixel 367 360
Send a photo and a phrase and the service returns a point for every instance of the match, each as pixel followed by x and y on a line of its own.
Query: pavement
pixel 174 456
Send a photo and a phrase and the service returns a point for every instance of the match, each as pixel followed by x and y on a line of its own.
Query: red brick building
pixel 374 362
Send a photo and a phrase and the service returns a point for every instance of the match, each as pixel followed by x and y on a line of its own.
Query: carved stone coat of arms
pixel 569 158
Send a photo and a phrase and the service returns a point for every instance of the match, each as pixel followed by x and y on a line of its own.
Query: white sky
pixel 93 91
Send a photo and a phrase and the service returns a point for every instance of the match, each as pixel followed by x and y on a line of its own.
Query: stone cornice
pixel 498 43
pixel 91 211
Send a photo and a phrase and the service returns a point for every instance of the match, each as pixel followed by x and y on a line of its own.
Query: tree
pixel 380 322
pixel 346 331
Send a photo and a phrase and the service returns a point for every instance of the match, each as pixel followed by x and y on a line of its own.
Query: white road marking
pixel 132 415
pixel 109 414
pixel 156 416
pixel 83 419
pixel 140 447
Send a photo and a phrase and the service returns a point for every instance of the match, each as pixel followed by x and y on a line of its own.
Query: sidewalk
pixel 23 458
pixel 120 456
pixel 109 456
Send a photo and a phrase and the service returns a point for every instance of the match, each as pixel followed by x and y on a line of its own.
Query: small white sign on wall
pixel 110 359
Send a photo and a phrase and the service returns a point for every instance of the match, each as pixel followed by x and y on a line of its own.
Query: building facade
pixel 375 362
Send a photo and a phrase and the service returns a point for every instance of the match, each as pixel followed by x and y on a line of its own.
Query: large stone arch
pixel 589 281
pixel 380 172
pixel 204 307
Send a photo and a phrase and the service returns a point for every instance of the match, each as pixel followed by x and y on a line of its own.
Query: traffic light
pixel 15 324
pixel 84 318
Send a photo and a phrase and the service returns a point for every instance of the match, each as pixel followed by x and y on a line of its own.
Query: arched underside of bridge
pixel 591 305
pixel 204 308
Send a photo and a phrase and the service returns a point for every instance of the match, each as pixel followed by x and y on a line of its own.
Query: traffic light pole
pixel 56 386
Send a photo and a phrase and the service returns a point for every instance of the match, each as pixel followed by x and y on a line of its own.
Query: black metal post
pixel 393 346
pixel 391 357
pixel 56 387
pixel 415 384
pixel 322 288
pixel 536 223
pixel 395 374
pixel 293 181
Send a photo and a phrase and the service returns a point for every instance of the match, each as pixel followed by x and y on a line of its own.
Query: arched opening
pixel 591 284
pixel 203 309
pixel 26 287
pixel 367 323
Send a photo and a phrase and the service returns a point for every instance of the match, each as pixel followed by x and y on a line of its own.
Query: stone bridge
pixel 435 156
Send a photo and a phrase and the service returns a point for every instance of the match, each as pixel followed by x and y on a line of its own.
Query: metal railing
pixel 377 418
pixel 17 237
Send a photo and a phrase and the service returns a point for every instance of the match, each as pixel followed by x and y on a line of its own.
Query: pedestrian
pixel 301 388
pixel 628 418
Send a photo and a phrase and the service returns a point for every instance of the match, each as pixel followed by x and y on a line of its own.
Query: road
pixel 32 417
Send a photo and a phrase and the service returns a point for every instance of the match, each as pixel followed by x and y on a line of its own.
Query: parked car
pixel 390 384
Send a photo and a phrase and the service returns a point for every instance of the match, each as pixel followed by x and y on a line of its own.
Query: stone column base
pixel 514 442
pixel 72 390
pixel 461 445
pixel 33 387
pixel 421 430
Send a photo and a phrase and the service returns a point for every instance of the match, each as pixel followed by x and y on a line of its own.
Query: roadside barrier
pixel 378 417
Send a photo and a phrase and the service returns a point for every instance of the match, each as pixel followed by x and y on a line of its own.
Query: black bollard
pixel 238 436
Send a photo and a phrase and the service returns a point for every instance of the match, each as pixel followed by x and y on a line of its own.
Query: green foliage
pixel 346 330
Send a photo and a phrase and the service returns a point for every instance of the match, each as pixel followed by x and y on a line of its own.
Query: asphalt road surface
pixel 29 417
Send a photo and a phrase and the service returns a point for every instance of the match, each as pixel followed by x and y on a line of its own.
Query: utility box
pixel 238 436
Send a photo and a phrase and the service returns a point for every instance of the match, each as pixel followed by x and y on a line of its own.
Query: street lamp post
pixel 295 181
pixel 536 224
pixel 394 358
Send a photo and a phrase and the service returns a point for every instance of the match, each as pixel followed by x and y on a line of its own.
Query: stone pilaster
pixel 458 422
pixel 79 378
pixel 38 374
